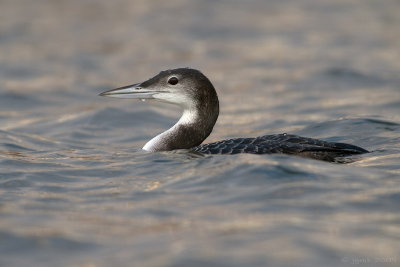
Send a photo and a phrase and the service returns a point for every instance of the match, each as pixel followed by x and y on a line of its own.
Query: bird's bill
pixel 131 91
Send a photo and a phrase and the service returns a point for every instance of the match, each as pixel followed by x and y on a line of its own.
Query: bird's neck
pixel 193 127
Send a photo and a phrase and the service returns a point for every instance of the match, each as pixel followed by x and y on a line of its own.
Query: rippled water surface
pixel 77 190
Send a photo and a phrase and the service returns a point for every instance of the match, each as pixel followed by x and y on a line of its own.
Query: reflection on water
pixel 77 190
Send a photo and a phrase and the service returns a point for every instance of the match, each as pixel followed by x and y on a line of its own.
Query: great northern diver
pixel 195 94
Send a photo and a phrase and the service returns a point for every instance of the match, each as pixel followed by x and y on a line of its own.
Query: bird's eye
pixel 173 80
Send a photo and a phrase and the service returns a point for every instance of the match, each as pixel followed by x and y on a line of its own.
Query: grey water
pixel 77 190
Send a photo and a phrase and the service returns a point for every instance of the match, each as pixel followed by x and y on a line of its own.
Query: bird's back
pixel 282 144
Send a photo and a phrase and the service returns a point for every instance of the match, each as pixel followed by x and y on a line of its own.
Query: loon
pixel 194 93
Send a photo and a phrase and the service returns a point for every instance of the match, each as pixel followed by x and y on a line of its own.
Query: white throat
pixel 189 116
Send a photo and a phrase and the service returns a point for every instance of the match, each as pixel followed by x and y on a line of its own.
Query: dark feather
pixel 282 144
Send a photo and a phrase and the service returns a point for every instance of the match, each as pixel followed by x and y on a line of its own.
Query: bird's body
pixel 281 144
pixel 195 94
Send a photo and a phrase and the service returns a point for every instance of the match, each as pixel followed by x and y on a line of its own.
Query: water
pixel 77 190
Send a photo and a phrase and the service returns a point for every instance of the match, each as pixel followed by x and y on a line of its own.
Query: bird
pixel 194 93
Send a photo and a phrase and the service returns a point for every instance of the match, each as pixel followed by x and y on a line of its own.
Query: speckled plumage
pixel 282 144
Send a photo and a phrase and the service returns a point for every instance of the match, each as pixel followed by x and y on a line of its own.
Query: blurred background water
pixel 77 190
